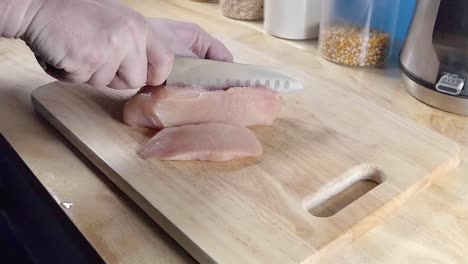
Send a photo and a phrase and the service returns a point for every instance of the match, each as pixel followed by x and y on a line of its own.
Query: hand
pixel 105 43
pixel 187 39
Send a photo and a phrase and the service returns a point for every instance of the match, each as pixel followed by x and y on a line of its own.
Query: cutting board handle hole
pixel 343 191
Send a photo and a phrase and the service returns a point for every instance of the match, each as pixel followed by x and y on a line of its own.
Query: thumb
pixel 207 46
pixel 217 51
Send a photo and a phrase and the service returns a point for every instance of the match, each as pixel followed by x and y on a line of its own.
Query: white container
pixel 292 19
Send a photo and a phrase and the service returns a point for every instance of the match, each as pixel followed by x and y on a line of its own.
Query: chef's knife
pixel 211 74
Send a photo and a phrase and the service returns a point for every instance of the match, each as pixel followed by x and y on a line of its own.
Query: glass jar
pixel 242 9
pixel 358 32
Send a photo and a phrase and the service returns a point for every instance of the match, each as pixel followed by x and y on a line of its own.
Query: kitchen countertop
pixel 431 228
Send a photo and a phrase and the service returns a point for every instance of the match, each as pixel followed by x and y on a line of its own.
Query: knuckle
pixel 167 57
pixel 93 83
pixel 153 76
pixel 139 82
pixel 117 84
pixel 93 59
pixel 135 23
pixel 74 78
pixel 136 81
pixel 113 41
pixel 64 63
pixel 96 82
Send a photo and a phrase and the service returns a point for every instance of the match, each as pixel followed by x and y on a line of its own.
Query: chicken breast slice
pixel 205 142
pixel 159 107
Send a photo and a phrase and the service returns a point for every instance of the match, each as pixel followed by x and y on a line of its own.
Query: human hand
pixel 187 39
pixel 105 43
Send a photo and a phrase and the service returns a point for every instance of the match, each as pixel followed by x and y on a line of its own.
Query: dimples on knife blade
pixel 211 74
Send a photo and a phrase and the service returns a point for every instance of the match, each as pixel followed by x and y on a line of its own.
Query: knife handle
pixel 54 72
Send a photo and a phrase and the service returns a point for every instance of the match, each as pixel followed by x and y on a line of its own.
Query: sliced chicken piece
pixel 159 107
pixel 207 142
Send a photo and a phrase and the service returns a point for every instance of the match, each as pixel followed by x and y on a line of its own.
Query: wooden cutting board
pixel 266 209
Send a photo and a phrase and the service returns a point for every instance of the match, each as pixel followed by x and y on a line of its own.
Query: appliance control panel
pixel 450 83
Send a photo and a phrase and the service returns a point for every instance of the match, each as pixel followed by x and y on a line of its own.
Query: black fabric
pixel 33 229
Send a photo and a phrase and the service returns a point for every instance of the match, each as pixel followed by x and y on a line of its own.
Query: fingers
pixel 206 46
pixel 191 38
pixel 124 69
pixel 160 59
pixel 129 74
pixel 83 66
pixel 106 73
pixel 176 36
pixel 84 70
pixel 217 51
pixel 64 75
pixel 147 60
pixel 72 77
pixel 119 83
pixel 181 50
pixel 132 72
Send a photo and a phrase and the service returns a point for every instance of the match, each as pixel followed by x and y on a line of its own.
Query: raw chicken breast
pixel 208 142
pixel 159 106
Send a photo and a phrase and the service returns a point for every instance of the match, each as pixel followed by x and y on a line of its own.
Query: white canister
pixel 292 19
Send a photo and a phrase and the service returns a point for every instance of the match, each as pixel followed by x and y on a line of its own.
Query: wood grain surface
pixel 114 225
pixel 430 228
pixel 255 210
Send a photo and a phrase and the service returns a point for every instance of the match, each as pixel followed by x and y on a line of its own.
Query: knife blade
pixel 211 74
